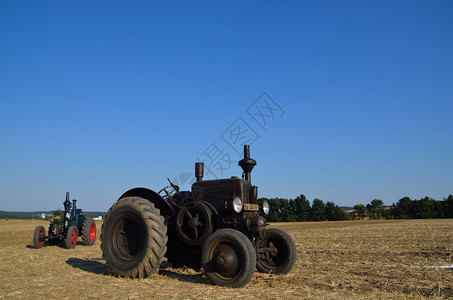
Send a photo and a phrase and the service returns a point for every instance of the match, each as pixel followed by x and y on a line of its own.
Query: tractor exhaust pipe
pixel 67 207
pixel 247 163
pixel 67 204
pixel 199 171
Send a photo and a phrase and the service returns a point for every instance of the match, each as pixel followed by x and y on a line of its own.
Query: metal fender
pixel 165 209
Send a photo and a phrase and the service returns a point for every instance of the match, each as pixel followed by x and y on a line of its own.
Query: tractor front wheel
pixel 276 252
pixel 134 238
pixel 88 232
pixel 38 237
pixel 228 258
pixel 71 237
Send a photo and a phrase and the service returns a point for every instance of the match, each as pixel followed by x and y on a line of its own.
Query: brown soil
pixel 336 260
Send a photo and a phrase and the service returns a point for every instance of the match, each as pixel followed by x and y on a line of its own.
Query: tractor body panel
pixel 220 193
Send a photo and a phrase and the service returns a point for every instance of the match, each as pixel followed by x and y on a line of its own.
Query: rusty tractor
pixel 218 226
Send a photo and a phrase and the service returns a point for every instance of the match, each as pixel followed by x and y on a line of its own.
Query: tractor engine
pixel 56 225
pixel 234 203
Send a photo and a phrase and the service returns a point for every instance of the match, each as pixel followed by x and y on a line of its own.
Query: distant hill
pixel 37 214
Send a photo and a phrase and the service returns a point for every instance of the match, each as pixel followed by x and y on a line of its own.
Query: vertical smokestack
pixel 67 204
pixel 199 171
pixel 247 163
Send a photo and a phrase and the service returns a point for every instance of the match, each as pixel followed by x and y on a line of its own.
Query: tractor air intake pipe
pixel 247 163
pixel 199 171
pixel 74 208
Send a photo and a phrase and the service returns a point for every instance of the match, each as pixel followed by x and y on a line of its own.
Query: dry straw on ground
pixel 336 260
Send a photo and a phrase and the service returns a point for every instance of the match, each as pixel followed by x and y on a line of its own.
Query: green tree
pixel 404 208
pixel 291 215
pixel 334 212
pixel 448 206
pixel 424 208
pixel 318 209
pixel 301 207
pixel 286 210
pixel 283 207
pixel 330 211
pixel 375 208
pixel 438 209
pixel 340 214
pixel 360 210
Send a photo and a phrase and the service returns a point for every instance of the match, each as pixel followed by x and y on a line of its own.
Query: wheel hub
pixel 226 260
pixel 92 232
pixel 127 238
pixel 271 249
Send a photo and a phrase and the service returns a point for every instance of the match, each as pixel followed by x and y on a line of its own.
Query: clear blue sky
pixel 97 97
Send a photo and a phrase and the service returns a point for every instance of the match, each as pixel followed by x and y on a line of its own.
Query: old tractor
pixel 65 226
pixel 218 226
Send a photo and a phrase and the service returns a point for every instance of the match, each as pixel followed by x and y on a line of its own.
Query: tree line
pixel 424 208
pixel 300 209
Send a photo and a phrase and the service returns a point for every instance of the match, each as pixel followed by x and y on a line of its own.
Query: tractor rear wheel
pixel 88 232
pixel 71 237
pixel 133 239
pixel 38 236
pixel 228 258
pixel 276 252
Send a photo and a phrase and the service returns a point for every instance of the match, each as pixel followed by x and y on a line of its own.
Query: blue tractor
pixel 65 227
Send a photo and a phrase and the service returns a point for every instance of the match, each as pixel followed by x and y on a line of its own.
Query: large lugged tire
pixel 276 252
pixel 228 258
pixel 38 237
pixel 133 238
pixel 88 232
pixel 71 237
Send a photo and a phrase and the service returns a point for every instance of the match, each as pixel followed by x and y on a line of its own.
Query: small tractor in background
pixel 65 226
pixel 218 226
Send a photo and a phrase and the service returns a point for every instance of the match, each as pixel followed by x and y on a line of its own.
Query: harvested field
pixel 397 259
